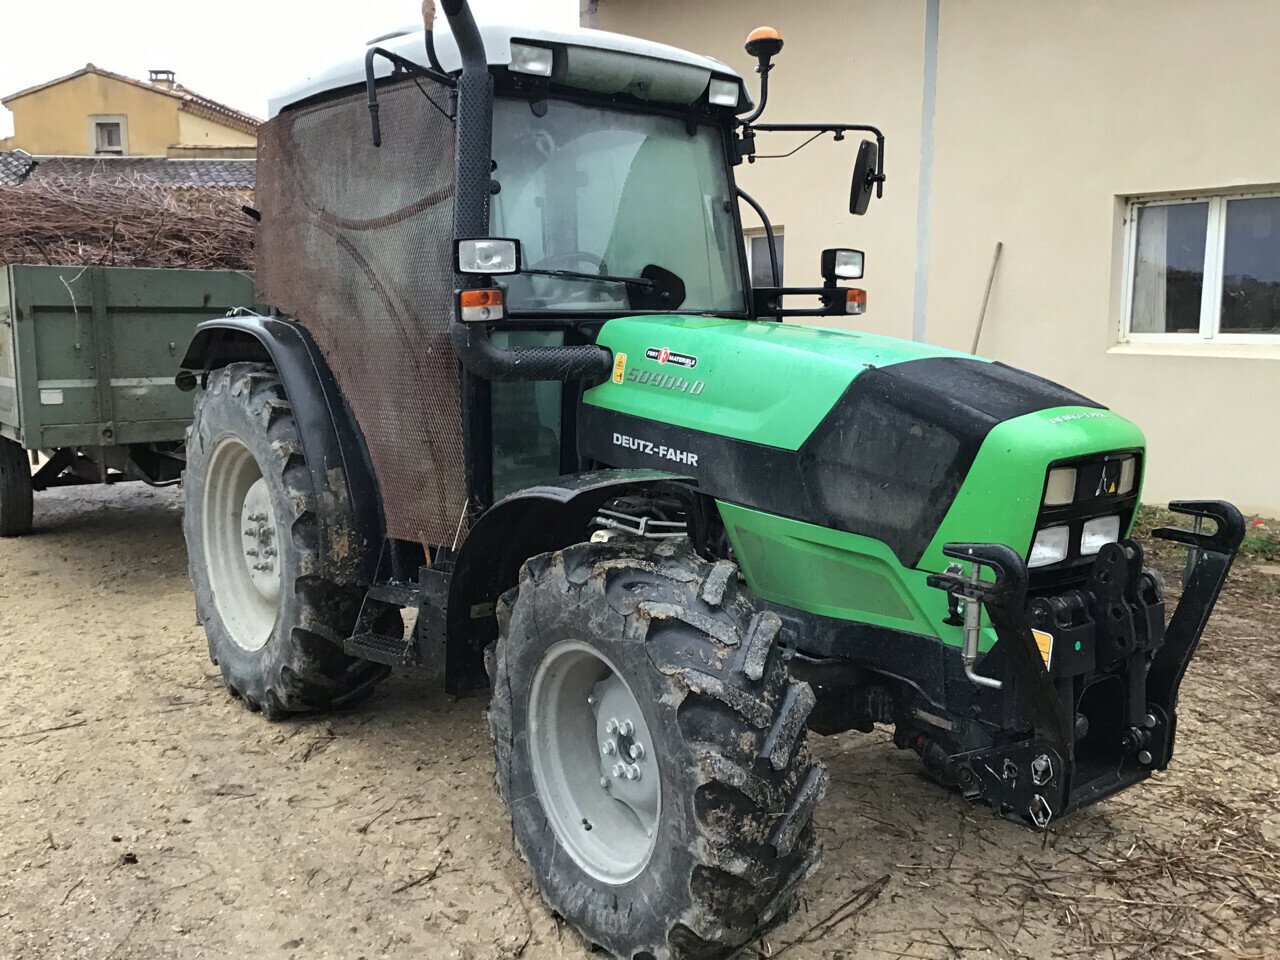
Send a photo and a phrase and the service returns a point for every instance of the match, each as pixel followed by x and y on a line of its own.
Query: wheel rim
pixel 594 765
pixel 241 544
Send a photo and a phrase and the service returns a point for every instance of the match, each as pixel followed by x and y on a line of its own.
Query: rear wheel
pixel 274 623
pixel 650 747
pixel 15 490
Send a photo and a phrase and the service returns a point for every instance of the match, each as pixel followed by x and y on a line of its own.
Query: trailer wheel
pixel 651 749
pixel 15 490
pixel 275 626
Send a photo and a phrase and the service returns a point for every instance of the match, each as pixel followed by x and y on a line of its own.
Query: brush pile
pixel 124 222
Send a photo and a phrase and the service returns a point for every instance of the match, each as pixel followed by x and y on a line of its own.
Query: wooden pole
pixel 986 296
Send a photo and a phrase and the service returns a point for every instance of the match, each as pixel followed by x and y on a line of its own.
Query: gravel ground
pixel 145 814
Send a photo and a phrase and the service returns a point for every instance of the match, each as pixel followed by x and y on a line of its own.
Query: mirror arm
pixel 839 130
pixel 768 232
pixel 764 69
pixel 767 301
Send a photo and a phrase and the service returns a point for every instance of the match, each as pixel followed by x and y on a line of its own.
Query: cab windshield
pixel 596 191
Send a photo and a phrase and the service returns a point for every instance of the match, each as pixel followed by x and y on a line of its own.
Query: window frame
pixel 101 119
pixel 750 234
pixel 1215 246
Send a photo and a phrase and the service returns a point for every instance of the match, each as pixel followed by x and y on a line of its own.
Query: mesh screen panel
pixel 355 242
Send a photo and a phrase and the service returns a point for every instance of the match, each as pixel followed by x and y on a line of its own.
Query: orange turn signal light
pixel 855 301
pixel 479 306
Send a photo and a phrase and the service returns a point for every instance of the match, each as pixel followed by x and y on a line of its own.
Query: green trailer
pixel 87 363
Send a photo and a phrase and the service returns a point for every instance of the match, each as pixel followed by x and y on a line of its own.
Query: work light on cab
pixel 723 93
pixel 842 264
pixel 526 58
pixel 488 256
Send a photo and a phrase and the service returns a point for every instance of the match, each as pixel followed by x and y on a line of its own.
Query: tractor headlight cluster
pixel 1086 504
pixel 1110 476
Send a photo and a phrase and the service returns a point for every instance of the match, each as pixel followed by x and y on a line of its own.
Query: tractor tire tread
pixel 311 671
pixel 16 501
pixel 686 618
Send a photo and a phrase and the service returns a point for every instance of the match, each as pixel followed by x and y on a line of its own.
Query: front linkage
pixel 1112 628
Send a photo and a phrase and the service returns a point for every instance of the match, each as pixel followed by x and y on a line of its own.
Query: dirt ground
pixel 145 814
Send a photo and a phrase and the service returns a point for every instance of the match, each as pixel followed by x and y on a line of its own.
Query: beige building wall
pixel 54 120
pixel 58 120
pixel 1048 116
pixel 198 131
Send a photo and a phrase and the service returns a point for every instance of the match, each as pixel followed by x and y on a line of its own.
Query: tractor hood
pixel 860 433
pixel 767 383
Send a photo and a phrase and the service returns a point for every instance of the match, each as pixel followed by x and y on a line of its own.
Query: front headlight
pixel 1060 489
pixel 1097 533
pixel 1128 474
pixel 1050 546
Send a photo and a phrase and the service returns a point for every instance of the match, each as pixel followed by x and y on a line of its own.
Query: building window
pixel 1204 268
pixel 109 135
pixel 758 257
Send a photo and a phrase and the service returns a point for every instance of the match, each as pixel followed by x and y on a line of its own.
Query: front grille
pixel 1095 479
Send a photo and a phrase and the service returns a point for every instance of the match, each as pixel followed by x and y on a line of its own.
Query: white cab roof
pixel 497 43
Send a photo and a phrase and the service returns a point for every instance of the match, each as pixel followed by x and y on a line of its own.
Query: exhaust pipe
pixel 473 164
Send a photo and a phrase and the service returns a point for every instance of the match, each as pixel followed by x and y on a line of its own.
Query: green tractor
pixel 515 378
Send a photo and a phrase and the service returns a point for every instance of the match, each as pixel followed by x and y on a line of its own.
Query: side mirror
pixel 865 173
pixel 841 263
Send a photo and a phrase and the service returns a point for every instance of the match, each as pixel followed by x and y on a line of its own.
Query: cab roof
pixel 410 44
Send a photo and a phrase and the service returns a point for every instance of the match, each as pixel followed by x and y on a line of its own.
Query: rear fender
pixel 349 504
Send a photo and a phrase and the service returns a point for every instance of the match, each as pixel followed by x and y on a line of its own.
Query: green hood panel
pixel 767 383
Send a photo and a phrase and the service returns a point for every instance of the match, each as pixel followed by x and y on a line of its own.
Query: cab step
pixel 403 593
pixel 380 648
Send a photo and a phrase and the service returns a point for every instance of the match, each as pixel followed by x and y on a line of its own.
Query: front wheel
pixel 651 749
pixel 275 624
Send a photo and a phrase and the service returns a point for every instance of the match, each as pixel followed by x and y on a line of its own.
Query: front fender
pixel 535 520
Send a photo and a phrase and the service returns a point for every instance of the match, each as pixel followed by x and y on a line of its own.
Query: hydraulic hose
pixel 473 164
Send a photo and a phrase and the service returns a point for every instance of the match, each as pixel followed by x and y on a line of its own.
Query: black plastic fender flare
pixel 535 520
pixel 350 507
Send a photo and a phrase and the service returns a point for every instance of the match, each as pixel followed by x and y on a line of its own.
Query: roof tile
pixel 18 167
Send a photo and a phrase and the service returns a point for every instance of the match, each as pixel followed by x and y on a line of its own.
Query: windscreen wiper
pixel 575 275
pixel 655 289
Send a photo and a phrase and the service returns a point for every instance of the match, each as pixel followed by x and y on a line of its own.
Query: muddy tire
pixel 15 490
pixel 275 625
pixel 604 647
